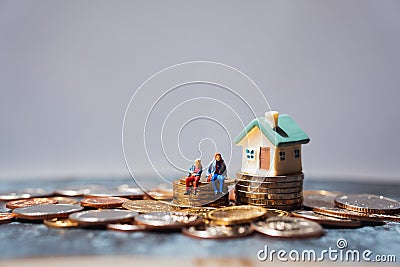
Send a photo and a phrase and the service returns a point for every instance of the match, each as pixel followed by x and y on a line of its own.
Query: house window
pixel 282 155
pixel 250 154
pixel 297 153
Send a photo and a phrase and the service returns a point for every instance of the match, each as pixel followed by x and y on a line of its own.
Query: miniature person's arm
pixel 208 170
pixel 223 169
pixel 208 173
pixel 191 169
pixel 199 172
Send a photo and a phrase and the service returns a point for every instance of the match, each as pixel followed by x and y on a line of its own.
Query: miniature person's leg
pixel 195 184
pixel 213 178
pixel 188 181
pixel 221 179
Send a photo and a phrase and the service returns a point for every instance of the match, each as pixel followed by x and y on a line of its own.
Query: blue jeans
pixel 221 179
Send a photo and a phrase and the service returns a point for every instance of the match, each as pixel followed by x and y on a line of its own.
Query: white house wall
pixel 255 139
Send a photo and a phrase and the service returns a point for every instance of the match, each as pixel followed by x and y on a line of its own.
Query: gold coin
pixel 160 195
pixel 268 196
pixel 223 201
pixel 65 200
pixel 276 213
pixel 146 206
pixel 264 201
pixel 236 215
pixel 279 207
pixel 270 185
pixel 22 203
pixel 197 201
pixel 271 213
pixel 264 189
pixel 60 223
pixel 389 217
pixel 129 227
pixel 274 179
pixel 288 227
pixel 103 202
pixel 169 220
pixel 6 217
pixel 354 215
pixel 199 210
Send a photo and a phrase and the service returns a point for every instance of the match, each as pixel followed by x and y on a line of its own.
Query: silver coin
pixel 353 215
pixel 288 227
pixel 325 219
pixel 102 217
pixel 169 220
pixel 25 193
pixel 75 191
pixel 368 203
pixel 131 194
pixel 128 188
pixel 319 198
pixel 47 211
pixel 218 231
pixel 129 227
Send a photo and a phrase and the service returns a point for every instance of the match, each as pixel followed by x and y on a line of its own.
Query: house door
pixel 264 158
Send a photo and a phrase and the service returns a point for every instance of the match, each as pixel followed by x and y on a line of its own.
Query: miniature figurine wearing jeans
pixel 194 176
pixel 217 171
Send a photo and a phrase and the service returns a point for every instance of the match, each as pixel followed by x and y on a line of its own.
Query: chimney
pixel 272 118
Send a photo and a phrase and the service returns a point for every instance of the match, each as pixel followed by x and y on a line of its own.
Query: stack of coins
pixel 205 195
pixel 348 210
pixel 278 192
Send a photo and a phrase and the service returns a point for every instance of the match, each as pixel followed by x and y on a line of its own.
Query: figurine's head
pixel 197 162
pixel 218 157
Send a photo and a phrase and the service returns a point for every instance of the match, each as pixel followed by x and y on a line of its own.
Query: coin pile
pixel 204 196
pixel 108 210
pixel 278 192
pixel 348 210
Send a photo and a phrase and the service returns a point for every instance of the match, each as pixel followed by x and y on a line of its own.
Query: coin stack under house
pixel 271 175
pixel 279 192
pixel 204 196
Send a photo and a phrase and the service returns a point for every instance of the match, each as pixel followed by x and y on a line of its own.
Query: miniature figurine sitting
pixel 194 176
pixel 217 171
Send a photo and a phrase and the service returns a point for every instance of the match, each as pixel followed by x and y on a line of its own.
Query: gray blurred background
pixel 69 68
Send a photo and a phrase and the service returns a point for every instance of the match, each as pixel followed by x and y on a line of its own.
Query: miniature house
pixel 271 145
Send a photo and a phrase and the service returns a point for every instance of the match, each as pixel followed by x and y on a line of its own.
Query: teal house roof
pixel 287 132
